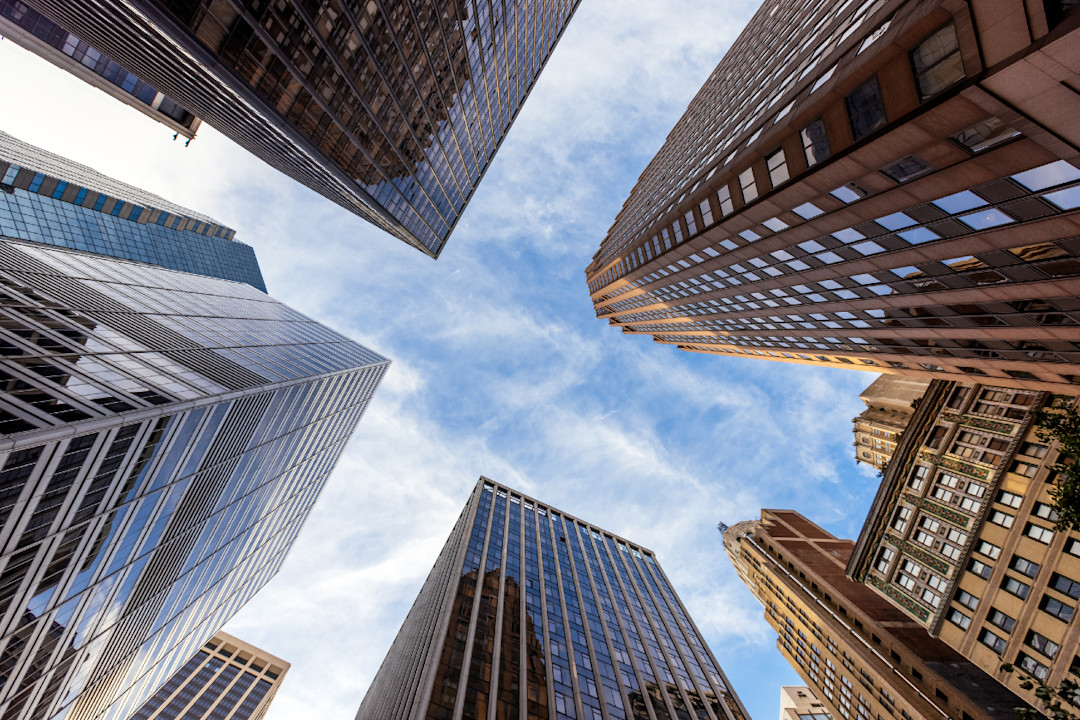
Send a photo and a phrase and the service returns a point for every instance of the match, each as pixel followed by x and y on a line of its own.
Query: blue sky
pixel 500 366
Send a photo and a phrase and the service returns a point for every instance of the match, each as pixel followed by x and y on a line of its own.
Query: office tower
pixel 800 703
pixel 961 534
pixel 888 185
pixel 861 656
pixel 531 613
pixel 890 400
pixel 393 110
pixel 27 27
pixel 227 679
pixel 163 437
pixel 50 199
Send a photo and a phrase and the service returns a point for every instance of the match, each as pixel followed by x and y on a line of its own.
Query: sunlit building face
pixel 531 613
pixel 878 189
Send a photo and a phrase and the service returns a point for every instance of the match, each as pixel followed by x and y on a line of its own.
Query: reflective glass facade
pixel 163 437
pixel 531 613
pixel 49 199
pixel 391 109
pixel 874 191
pixel 35 32
pixel 227 679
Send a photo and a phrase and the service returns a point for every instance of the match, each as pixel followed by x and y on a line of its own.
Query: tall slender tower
pixel 888 185
pixel 531 613
pixel 49 199
pixel 163 437
pixel 392 109
pixel 227 679
pixel 23 25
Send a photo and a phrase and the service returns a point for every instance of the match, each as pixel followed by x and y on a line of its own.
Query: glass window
pixel 815 142
pixel 706 213
pixel 984 219
pixel 895 221
pixel 865 108
pixel 1056 608
pixel 992 641
pixel 746 182
pixel 1065 585
pixel 1067 199
pixel 959 202
pixel 1024 566
pixel 1040 533
pixel 958 618
pixel 1015 587
pixel 1043 644
pixel 985 135
pixel 937 62
pixel 905 169
pixel 777 164
pixel 1032 666
pixel 807 211
pixel 723 196
pixel 848 193
pixel 1049 175
pixel 919 235
pixel 1000 619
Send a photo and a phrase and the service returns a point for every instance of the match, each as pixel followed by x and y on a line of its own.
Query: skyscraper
pixel 393 110
pixel 23 25
pixel 531 613
pixel 164 437
pixel 961 536
pixel 227 679
pixel 888 185
pixel 49 199
pixel 861 655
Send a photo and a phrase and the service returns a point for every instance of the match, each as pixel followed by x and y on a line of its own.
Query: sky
pixel 500 367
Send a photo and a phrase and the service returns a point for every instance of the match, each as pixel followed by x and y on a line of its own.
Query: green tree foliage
pixel 1058 703
pixel 1061 421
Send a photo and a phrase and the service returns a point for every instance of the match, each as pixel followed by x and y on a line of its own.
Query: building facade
pixel 163 437
pixel 961 535
pixel 890 401
pixel 892 188
pixel 862 657
pixel 393 110
pixel 800 703
pixel 227 679
pixel 49 199
pixel 30 29
pixel 531 613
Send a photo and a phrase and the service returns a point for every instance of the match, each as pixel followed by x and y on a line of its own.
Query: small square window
pixel 848 193
pixel 905 169
pixel 985 219
pixel 895 221
pixel 959 202
pixel 985 135
pixel 807 211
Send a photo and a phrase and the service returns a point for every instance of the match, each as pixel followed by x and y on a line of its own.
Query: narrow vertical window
pixel 777 164
pixel 746 182
pixel 866 110
pixel 937 63
pixel 815 142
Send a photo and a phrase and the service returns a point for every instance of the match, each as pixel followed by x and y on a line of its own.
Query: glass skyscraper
pixel 163 437
pixel 49 199
pixel 530 613
pixel 391 109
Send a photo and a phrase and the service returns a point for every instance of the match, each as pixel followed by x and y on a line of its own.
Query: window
pixel 885 559
pixel 1010 499
pixel 746 182
pixel 980 568
pixel 865 108
pixel 1043 644
pixel 706 213
pixel 903 514
pixel 1024 566
pixel 1032 666
pixel 1056 608
pixel 1015 587
pixel 777 164
pixel 992 641
pixel 1046 512
pixel 691 223
pixel 937 62
pixel 1065 585
pixel 905 169
pixel 723 196
pixel 985 135
pixel 1003 519
pixel 967 599
pixel 1038 532
pixel 1034 450
pixel 958 618
pixel 1022 468
pixel 1000 619
pixel 815 142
